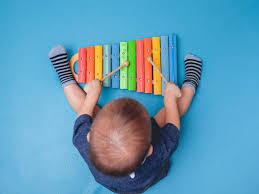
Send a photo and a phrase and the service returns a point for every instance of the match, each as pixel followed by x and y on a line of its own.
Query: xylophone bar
pixel 107 64
pixel 132 68
pixel 98 71
pixel 123 71
pixel 173 58
pixel 90 64
pixel 164 60
pixel 140 66
pixel 115 64
pixel 96 62
pixel 157 61
pixel 82 65
pixel 148 66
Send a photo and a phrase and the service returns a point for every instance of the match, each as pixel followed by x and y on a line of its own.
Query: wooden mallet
pixel 125 64
pixel 178 92
pixel 155 67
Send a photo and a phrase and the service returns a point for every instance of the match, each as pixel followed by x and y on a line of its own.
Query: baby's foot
pixel 58 57
pixel 193 69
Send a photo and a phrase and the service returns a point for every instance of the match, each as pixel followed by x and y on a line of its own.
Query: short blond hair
pixel 120 137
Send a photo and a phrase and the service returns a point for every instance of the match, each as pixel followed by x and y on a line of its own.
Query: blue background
pixel 218 151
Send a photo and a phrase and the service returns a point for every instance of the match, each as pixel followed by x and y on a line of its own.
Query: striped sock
pixel 193 69
pixel 58 57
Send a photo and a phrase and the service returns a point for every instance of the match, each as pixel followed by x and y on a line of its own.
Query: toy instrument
pixel 136 65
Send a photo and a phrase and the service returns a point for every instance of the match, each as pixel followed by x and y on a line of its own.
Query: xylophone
pixel 95 62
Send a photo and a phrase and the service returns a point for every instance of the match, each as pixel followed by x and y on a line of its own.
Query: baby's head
pixel 120 137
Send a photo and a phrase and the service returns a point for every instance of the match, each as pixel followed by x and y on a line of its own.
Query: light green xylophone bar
pixel 132 65
pixel 124 70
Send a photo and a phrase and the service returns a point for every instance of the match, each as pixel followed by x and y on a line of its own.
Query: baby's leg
pixel 74 94
pixel 183 104
pixel 193 66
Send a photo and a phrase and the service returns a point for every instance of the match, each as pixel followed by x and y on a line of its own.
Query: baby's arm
pixel 93 90
pixel 76 97
pixel 172 93
pixel 183 105
pixel 193 67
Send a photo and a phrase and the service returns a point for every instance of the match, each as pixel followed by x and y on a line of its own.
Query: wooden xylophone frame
pixel 95 62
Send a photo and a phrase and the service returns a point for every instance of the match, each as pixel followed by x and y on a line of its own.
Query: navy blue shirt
pixel 155 167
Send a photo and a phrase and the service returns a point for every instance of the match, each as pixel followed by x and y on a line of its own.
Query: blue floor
pixel 219 146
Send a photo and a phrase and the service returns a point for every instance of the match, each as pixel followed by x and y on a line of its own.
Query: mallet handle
pixel 155 67
pixel 125 64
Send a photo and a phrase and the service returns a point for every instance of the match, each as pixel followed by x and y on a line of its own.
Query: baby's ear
pixel 88 136
pixel 150 151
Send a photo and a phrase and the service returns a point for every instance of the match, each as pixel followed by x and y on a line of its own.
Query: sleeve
pixel 167 141
pixel 81 128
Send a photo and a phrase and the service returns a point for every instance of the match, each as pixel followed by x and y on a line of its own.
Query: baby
pixel 126 151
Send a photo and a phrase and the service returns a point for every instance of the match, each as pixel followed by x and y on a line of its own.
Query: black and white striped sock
pixel 59 60
pixel 193 69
